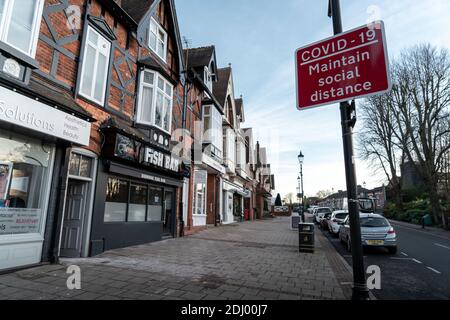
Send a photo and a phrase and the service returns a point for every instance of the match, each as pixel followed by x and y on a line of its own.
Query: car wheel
pixel 392 250
pixel 349 245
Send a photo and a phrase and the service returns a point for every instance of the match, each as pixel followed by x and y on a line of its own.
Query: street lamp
pixel 298 192
pixel 301 157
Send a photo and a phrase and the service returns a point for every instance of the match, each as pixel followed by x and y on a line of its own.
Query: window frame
pixel 130 183
pixel 83 66
pixel 139 108
pixel 5 23
pixel 159 28
pixel 213 133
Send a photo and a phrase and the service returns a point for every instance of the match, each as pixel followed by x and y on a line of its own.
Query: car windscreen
pixel 324 210
pixel 371 222
pixel 341 215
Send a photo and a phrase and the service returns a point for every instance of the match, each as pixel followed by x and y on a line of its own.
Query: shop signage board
pixel 23 111
pixel 132 150
pixel 350 65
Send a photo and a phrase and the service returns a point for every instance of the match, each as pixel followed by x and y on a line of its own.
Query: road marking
pixel 417 261
pixel 404 254
pixel 420 231
pixel 434 270
pixel 442 246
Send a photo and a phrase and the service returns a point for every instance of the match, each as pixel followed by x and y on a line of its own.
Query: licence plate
pixel 375 242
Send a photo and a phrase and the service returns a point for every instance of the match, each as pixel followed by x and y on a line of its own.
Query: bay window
pixel 213 129
pixel 158 39
pixel 241 158
pixel 155 101
pixel 230 138
pixel 94 71
pixel 20 21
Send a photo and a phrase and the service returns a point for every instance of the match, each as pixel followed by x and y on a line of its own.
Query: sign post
pixel 349 65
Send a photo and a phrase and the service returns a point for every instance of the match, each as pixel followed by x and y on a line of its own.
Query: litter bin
pixel 428 220
pixel 306 237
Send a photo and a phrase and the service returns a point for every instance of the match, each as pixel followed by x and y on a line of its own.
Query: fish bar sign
pixel 347 66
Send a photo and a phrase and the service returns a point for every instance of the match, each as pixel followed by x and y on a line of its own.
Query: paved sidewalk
pixel 248 261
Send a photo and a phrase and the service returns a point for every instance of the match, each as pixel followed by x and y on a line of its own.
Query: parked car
pixel 334 224
pixel 320 213
pixel 376 231
pixel 324 221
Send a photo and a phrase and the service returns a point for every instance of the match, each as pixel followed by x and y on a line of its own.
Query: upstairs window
pixel 155 101
pixel 213 132
pixel 94 71
pixel 158 39
pixel 20 22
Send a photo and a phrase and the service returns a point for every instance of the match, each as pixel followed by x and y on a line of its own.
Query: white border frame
pixel 139 109
pixel 83 68
pixel 383 33
pixel 166 44
pixel 34 33
pixel 8 239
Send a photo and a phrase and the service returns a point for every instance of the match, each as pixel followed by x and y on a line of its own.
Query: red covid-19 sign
pixel 350 65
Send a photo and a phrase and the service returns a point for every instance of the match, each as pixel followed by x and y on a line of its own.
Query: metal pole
pixel 302 193
pixel 360 290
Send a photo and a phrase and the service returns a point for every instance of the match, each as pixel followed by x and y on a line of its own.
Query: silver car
pixel 376 231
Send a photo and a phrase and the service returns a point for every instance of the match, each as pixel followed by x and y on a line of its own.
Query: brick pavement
pixel 248 261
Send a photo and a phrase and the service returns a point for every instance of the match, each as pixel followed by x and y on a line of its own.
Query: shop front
pixel 234 208
pixel 34 138
pixel 137 196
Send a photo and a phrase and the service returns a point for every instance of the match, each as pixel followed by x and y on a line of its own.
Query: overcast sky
pixel 259 38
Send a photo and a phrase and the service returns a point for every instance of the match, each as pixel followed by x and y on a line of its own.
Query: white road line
pixel 417 261
pixel 434 270
pixel 420 231
pixel 404 254
pixel 442 246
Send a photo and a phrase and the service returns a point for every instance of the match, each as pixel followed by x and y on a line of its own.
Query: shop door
pixel 74 217
pixel 169 213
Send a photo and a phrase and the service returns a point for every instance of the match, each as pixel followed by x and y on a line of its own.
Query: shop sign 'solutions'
pixel 347 66
pixel 31 114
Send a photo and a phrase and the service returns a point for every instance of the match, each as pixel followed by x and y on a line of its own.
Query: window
pixel 138 203
pixel 94 71
pixel 20 22
pixel 158 39
pixel 116 200
pixel 155 101
pixel 241 154
pixel 231 145
pixel 213 129
pixel 132 202
pixel 80 166
pixel 155 205
pixel 207 79
pixel 25 176
pixel 200 192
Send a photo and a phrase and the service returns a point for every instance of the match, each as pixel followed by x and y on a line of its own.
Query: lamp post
pixel 301 157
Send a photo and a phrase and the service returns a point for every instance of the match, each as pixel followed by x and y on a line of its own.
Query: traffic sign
pixel 350 65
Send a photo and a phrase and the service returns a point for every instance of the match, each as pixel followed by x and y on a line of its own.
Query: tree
pixel 413 119
pixel 278 202
pixel 378 144
pixel 322 194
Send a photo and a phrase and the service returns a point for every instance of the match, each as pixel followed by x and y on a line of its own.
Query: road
pixel 419 271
